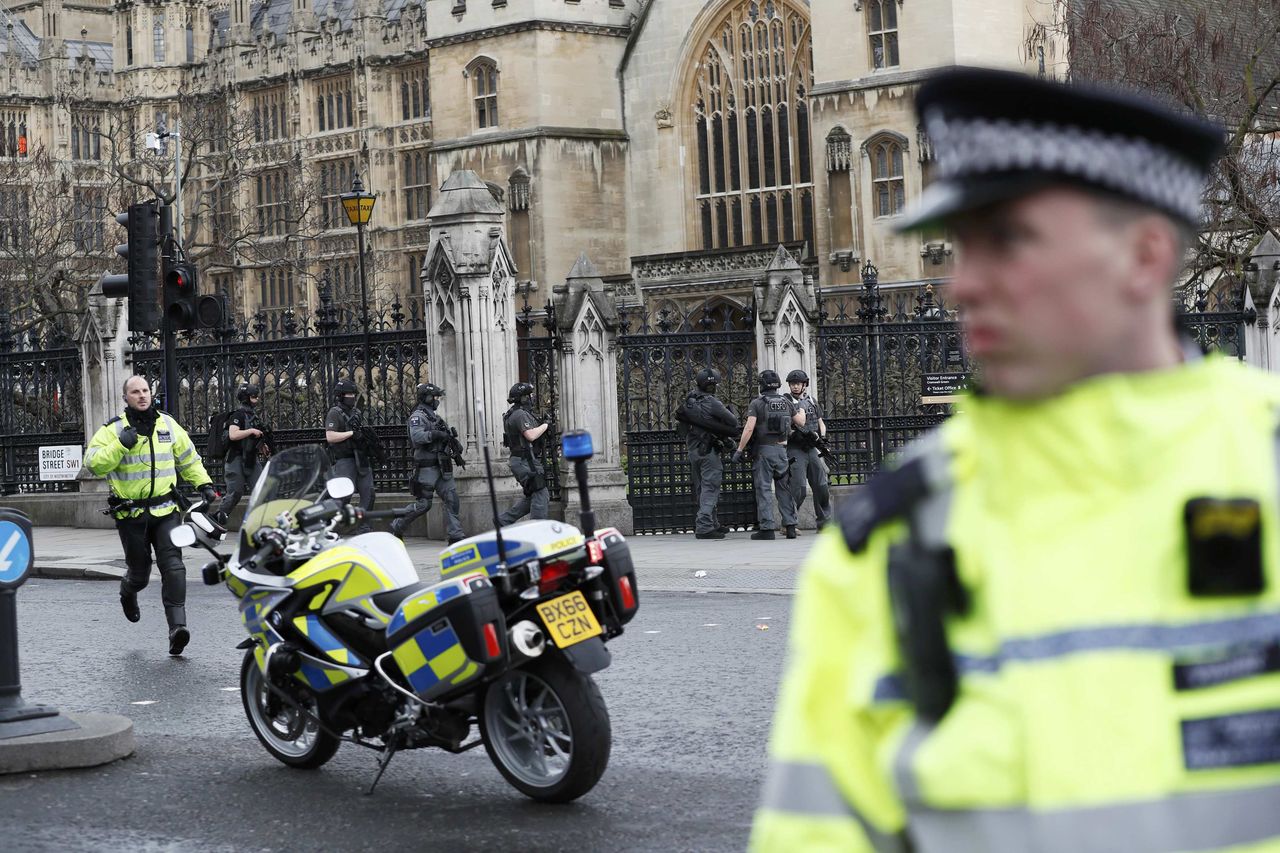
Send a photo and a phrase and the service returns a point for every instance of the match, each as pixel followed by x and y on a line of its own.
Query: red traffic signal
pixel 180 288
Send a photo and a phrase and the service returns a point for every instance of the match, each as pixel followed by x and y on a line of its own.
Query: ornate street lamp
pixel 358 205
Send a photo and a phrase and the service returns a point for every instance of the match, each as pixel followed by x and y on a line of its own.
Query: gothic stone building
pixel 676 143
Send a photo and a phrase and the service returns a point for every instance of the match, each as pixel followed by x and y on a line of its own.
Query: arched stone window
pixel 888 188
pixel 749 126
pixel 882 29
pixel 484 91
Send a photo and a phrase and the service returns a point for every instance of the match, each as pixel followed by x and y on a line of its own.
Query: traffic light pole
pixel 168 258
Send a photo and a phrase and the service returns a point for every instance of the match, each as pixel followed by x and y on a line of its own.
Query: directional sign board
pixel 942 384
pixel 60 461
pixel 17 553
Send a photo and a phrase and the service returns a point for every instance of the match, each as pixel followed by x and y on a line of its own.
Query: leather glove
pixel 128 436
pixel 737 455
pixel 208 493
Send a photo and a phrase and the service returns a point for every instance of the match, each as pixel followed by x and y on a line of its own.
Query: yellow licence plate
pixel 569 619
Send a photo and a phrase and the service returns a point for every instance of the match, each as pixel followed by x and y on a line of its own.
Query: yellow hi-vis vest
pixel 150 468
pixel 1100 705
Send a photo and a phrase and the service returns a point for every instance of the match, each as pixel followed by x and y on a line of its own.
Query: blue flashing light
pixel 577 445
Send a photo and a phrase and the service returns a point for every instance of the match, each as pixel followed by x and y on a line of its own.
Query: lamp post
pixel 358 205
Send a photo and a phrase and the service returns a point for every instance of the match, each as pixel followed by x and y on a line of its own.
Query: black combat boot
pixel 397 528
pixel 710 534
pixel 763 534
pixel 129 604
pixel 179 636
pixel 791 531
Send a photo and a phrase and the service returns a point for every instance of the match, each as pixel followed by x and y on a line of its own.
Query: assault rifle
pixel 454 448
pixel 812 441
pixel 369 445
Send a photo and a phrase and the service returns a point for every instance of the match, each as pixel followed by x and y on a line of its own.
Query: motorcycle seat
pixel 388 601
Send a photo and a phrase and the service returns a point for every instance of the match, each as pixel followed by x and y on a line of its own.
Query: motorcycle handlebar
pixel 382 513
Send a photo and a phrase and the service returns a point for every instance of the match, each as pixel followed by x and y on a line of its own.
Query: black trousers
pixel 142 535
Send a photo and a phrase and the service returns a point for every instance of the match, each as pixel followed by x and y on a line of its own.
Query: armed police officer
pixel 342 429
pixel 142 452
pixel 246 434
pixel 435 451
pixel 523 434
pixel 1052 626
pixel 770 419
pixel 711 430
pixel 807 467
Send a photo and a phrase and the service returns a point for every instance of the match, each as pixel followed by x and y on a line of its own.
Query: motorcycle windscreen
pixel 291 481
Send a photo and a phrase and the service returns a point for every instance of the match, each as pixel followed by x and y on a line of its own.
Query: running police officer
pixel 349 459
pixel 245 436
pixel 141 452
pixel 770 419
pixel 806 464
pixel 710 425
pixel 523 435
pixel 1052 626
pixel 431 436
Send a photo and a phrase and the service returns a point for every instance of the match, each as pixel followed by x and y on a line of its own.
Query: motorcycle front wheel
pixel 292 737
pixel 546 729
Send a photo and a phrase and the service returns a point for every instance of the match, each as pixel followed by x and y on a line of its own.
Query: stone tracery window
pixel 484 92
pixel 750 127
pixel 887 175
pixel 882 29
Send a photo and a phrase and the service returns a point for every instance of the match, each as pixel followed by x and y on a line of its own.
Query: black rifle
pixel 812 441
pixel 454 448
pixel 370 445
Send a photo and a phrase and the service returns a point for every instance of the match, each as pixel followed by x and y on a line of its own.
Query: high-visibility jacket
pixel 1100 705
pixel 148 470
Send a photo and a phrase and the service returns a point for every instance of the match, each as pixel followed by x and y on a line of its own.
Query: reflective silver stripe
pixel 904 774
pixel 134 475
pixel 1199 821
pixel 186 454
pixel 144 456
pixel 808 789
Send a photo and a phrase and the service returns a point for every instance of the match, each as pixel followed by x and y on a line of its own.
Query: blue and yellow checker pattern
pixel 314 630
pixel 433 660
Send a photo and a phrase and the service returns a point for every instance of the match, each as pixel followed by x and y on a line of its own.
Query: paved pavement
pixel 672 563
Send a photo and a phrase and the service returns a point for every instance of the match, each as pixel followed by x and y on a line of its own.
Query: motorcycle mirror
pixel 340 487
pixel 206 525
pixel 182 536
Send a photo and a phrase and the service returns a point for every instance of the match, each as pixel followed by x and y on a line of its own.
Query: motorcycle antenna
pixel 493 495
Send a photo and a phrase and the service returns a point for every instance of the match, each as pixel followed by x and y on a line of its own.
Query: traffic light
pixel 180 290
pixel 141 283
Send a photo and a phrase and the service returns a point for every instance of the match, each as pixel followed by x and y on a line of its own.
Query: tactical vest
pixel 775 426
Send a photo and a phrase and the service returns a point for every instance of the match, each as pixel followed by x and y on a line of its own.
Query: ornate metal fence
pixel 1216 319
pixel 538 345
pixel 659 354
pixel 42 405
pixel 872 363
pixel 295 359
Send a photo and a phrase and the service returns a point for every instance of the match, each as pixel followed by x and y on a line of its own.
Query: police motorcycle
pixel 346 645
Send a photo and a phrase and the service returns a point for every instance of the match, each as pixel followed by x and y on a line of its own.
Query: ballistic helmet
pixel 797 376
pixel 519 391
pixel 769 380
pixel 247 391
pixel 428 392
pixel 707 380
pixel 343 388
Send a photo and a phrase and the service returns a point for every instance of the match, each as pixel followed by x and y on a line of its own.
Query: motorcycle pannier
pixel 443 637
pixel 619 575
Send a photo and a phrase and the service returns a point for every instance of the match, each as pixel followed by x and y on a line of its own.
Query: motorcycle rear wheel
pixel 546 729
pixel 292 738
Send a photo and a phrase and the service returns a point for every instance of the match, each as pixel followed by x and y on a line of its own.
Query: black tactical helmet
pixel 707 379
pixel 428 392
pixel 343 387
pixel 769 380
pixel 519 391
pixel 797 376
pixel 246 391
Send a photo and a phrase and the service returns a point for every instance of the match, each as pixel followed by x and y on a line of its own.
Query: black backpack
pixel 219 441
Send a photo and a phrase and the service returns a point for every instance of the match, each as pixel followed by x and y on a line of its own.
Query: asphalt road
pixel 690 693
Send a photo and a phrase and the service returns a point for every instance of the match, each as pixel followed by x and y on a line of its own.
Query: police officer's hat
pixel 519 391
pixel 769 380
pixel 427 391
pixel 343 387
pixel 797 376
pixel 247 391
pixel 997 135
pixel 707 379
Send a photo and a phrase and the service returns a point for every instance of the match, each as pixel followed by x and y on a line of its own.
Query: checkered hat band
pixel 1132 167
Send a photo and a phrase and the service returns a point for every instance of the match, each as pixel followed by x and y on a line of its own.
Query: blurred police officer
pixel 770 419
pixel 141 452
pixel 806 465
pixel 349 458
pixel 1052 627
pixel 523 435
pixel 245 435
pixel 710 424
pixel 430 436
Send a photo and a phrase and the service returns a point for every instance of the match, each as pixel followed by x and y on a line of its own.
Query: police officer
pixel 429 434
pixel 1052 626
pixel 710 423
pixel 349 460
pixel 245 436
pixel 523 434
pixel 806 464
pixel 141 452
pixel 770 419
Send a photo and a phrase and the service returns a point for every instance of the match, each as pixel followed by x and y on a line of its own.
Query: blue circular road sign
pixel 15 550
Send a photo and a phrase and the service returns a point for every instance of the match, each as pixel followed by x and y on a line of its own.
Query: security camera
pixel 152 142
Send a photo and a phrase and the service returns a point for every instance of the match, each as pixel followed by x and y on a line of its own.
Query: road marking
pixel 653 632
pixel 711 625
pixel 8 549
pixel 145 702
pixel 764 618
pixel 231 690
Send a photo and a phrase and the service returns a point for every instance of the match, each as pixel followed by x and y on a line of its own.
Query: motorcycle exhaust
pixel 527 639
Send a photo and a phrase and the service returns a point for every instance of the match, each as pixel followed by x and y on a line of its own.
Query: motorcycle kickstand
pixel 388 751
